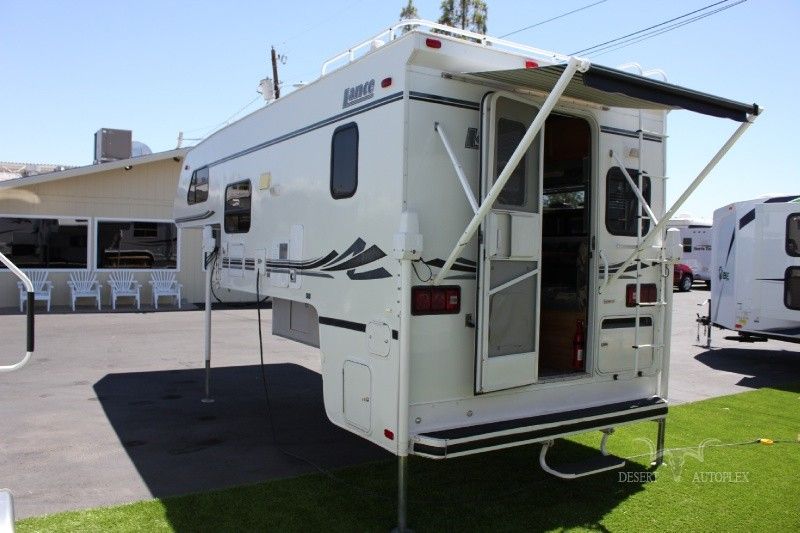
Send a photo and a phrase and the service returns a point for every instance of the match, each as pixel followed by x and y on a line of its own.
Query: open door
pixel 510 254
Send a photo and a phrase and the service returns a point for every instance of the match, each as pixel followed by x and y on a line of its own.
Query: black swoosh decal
pixel 373 253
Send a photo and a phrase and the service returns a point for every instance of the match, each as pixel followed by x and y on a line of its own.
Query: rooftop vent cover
pixel 111 145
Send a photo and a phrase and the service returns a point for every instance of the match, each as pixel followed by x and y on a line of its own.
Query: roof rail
pixel 392 33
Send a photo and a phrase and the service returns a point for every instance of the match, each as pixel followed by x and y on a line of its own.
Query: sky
pixel 160 67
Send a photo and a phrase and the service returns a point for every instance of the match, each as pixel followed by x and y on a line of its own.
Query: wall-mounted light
pixel 128 167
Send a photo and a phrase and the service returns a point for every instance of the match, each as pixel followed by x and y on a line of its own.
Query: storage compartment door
pixel 357 395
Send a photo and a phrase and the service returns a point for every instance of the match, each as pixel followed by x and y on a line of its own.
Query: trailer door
pixel 508 287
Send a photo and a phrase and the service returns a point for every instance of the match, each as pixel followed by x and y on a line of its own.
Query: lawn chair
pixel 165 283
pixel 41 288
pixel 123 284
pixel 84 284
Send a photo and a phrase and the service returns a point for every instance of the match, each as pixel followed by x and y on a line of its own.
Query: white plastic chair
pixel 41 288
pixel 165 283
pixel 123 284
pixel 84 284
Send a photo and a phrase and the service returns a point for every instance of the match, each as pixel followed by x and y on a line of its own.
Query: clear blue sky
pixel 159 67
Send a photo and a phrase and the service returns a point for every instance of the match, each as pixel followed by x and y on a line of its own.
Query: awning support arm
pixel 550 102
pixel 458 168
pixel 657 230
pixel 634 187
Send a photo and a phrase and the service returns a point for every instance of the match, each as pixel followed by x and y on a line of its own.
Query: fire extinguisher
pixel 578 347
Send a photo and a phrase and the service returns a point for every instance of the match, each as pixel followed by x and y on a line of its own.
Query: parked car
pixel 683 277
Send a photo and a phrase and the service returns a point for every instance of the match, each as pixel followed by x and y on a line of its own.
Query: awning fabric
pixel 615 88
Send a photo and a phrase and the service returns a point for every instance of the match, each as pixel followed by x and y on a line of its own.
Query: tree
pixel 465 14
pixel 409 12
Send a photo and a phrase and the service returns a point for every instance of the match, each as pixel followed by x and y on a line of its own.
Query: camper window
pixel 622 207
pixel 237 207
pixel 791 288
pixel 793 235
pixel 198 187
pixel 128 244
pixel 344 161
pixel 687 245
pixel 509 135
pixel 52 243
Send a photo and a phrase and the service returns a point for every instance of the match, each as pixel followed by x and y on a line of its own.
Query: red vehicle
pixel 683 277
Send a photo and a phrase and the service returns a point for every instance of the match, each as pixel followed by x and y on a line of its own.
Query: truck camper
pixel 472 231
pixel 756 292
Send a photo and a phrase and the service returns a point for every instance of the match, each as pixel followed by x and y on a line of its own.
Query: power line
pixel 659 25
pixel 629 42
pixel 552 19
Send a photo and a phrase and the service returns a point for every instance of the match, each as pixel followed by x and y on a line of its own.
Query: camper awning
pixel 615 88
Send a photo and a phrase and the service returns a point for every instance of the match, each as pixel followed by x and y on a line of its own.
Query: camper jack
pixel 548 317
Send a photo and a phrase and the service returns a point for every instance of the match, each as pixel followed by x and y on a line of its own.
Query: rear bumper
pixel 496 435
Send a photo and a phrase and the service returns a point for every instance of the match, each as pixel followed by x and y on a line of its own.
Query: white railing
pixel 393 32
pixel 26 282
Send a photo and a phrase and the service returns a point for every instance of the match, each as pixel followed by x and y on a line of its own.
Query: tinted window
pixel 198 187
pixel 622 206
pixel 509 135
pixel 687 245
pixel 791 288
pixel 237 207
pixel 133 244
pixel 793 235
pixel 44 242
pixel 344 161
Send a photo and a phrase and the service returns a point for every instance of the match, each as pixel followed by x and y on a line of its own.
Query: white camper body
pixel 756 290
pixel 696 241
pixel 450 324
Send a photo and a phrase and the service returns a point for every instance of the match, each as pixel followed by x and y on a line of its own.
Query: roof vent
pixel 111 145
pixel 139 149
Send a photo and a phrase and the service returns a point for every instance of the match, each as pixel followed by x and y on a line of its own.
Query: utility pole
pixel 275 74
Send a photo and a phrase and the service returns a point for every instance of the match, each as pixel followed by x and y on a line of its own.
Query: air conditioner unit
pixel 111 145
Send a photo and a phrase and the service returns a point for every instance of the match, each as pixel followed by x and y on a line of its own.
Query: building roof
pixel 13 169
pixel 91 169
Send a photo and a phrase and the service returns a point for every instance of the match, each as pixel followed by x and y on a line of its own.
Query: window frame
pixel 225 207
pixel 193 182
pixel 89 241
pixel 178 249
pixel 687 241
pixel 786 238
pixel 339 129
pixel 649 189
pixel 786 288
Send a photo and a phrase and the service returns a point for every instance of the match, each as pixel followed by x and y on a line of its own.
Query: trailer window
pixel 793 235
pixel 622 206
pixel 198 187
pixel 237 207
pixel 509 135
pixel 687 245
pixel 344 161
pixel 131 244
pixel 791 288
pixel 32 242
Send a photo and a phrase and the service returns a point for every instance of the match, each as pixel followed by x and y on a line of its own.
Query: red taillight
pixel 389 434
pixel 647 294
pixel 433 43
pixel 530 63
pixel 435 300
pixel 385 82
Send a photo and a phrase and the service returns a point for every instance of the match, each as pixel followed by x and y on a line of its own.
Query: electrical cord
pixel 414 267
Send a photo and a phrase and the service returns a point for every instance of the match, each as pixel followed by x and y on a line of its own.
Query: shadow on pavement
pixel 180 445
pixel 778 369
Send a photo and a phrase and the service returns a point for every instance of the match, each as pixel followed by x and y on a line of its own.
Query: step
pixel 587 467
pixel 466 440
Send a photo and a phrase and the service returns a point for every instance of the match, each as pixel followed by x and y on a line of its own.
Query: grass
pixel 506 490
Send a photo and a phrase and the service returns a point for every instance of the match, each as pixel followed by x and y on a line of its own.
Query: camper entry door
pixel 510 254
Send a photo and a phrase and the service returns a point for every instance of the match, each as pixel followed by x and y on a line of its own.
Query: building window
pixel 791 288
pixel 793 235
pixel 237 207
pixel 50 243
pixel 344 161
pixel 130 244
pixel 198 186
pixel 622 206
pixel 687 245
pixel 509 135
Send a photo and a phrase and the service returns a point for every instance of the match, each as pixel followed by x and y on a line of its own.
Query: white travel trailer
pixel 471 230
pixel 756 291
pixel 696 242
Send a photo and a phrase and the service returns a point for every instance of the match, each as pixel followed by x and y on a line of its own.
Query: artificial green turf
pixel 506 490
